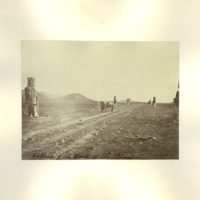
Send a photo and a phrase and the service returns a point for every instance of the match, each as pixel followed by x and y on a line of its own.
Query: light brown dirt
pixel 137 131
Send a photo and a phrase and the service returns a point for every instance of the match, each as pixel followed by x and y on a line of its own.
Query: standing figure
pixel 33 112
pixel 176 106
pixel 32 101
pixel 128 101
pixel 154 102
pixel 115 101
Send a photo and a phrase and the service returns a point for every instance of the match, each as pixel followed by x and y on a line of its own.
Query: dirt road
pixel 137 131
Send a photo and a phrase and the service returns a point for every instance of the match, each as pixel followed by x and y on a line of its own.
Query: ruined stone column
pixel 32 100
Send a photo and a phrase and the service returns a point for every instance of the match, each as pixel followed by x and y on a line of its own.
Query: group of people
pixel 129 100
pixel 153 102
pixel 111 105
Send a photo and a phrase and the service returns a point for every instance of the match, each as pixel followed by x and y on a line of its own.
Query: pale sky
pixel 102 70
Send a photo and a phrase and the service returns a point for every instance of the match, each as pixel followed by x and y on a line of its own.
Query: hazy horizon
pixel 102 70
pixel 60 96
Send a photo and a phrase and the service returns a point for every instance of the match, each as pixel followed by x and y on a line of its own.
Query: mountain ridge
pixel 74 98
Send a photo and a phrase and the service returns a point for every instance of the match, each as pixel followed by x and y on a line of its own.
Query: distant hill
pixel 50 95
pixel 42 97
pixel 75 98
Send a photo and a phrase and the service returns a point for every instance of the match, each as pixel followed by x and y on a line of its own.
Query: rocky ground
pixel 137 131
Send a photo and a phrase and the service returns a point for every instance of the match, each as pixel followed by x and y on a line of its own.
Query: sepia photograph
pixel 90 100
pixel 100 100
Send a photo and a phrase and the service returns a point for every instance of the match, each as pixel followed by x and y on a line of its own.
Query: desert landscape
pixel 65 85
pixel 73 127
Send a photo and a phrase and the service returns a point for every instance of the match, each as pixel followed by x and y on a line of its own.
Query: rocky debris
pixel 121 129
pixel 118 132
pixel 146 138
pixel 80 120
pixel 63 141
pixel 37 144
pixel 46 139
pixel 34 155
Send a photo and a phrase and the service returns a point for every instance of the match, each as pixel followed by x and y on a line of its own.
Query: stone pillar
pixel 31 82
pixel 32 99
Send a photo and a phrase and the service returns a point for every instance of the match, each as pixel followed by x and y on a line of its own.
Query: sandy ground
pixel 137 131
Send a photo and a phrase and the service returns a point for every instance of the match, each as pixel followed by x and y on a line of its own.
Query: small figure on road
pixel 128 101
pixel 154 102
pixel 115 101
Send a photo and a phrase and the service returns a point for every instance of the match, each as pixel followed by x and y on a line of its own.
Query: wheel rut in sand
pixel 66 136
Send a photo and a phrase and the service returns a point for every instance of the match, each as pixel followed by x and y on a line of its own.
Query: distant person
pixel 128 101
pixel 176 107
pixel 154 102
pixel 115 101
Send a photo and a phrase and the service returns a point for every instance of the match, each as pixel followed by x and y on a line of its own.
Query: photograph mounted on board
pixel 100 100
